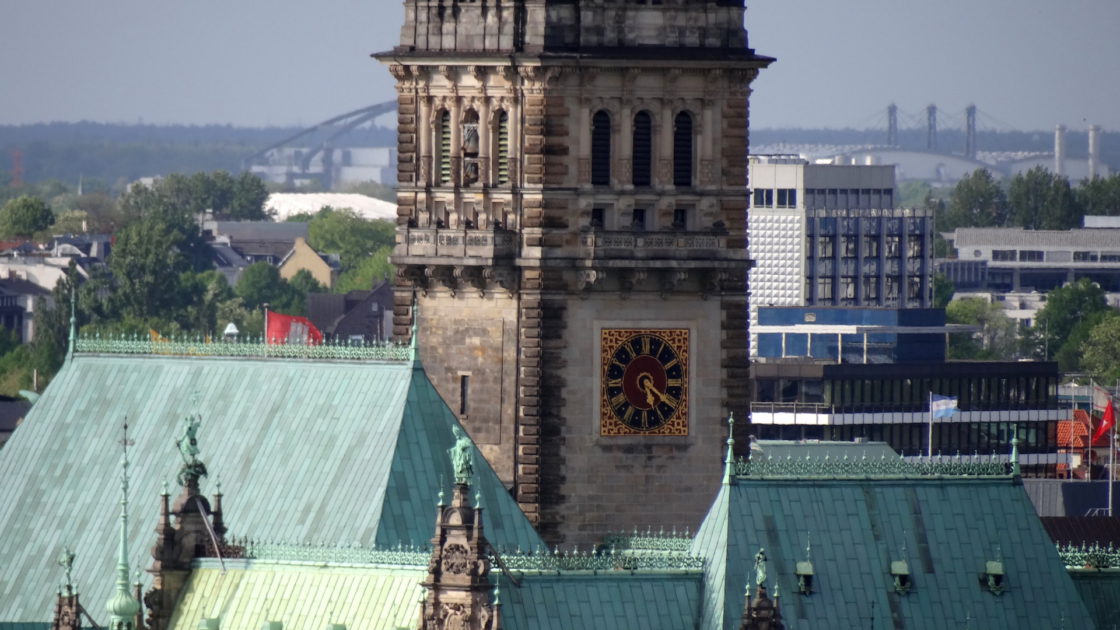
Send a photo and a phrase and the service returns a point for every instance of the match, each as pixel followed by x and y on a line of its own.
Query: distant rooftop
pixel 287 204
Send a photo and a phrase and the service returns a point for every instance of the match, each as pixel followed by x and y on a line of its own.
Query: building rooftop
pixel 965 239
pixel 856 525
pixel 277 433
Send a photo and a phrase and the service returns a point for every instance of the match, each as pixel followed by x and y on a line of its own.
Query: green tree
pixel 353 238
pixel 1101 349
pixel 1100 195
pixel 1041 200
pixel 943 290
pixel 260 283
pixel 247 200
pixel 977 201
pixel 173 203
pixel 205 291
pixel 368 272
pixel 996 339
pixel 147 262
pixel 1066 307
pixel 24 216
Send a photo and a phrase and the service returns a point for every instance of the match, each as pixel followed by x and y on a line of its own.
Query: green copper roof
pixel 249 593
pixel 567 602
pixel 946 529
pixel 323 452
pixel 1100 591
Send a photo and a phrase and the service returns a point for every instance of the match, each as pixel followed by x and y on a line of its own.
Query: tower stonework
pixel 572 199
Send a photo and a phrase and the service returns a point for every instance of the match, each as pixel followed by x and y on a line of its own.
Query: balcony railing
pixel 457 242
pixel 641 244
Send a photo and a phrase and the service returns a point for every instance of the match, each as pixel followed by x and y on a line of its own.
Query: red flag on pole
pixel 291 330
pixel 1108 420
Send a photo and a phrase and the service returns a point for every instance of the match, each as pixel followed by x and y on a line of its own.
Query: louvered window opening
pixel 445 147
pixel 643 146
pixel 601 149
pixel 503 148
pixel 682 150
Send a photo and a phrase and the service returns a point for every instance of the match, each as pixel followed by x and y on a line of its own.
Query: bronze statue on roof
pixel 462 457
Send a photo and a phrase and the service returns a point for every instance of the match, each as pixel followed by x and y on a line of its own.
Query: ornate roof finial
pixel 760 567
pixel 122 606
pixel 729 461
pixel 73 318
pixel 1014 451
pixel 66 561
pixel 413 354
pixel 192 469
pixel 462 457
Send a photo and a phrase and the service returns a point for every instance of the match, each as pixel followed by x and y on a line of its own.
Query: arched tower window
pixel 503 148
pixel 682 149
pixel 643 148
pixel 470 148
pixel 601 149
pixel 444 143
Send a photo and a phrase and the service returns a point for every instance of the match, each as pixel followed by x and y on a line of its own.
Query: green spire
pixel 73 319
pixel 729 461
pixel 1014 451
pixel 122 606
pixel 413 355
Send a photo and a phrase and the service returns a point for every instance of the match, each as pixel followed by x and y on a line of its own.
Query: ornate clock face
pixel 644 382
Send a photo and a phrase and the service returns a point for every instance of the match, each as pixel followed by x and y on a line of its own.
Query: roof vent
pixel 900 571
pixel 804 571
pixel 992 579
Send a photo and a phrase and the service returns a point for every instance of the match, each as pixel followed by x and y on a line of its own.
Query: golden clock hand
pixel 652 392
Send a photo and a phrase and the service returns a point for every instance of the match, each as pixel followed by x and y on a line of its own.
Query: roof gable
pixel 306 452
pixel 946 529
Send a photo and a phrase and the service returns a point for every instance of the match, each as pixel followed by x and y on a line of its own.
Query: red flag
pixel 1107 421
pixel 291 330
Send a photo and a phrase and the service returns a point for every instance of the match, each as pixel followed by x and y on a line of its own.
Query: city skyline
pixel 1027 65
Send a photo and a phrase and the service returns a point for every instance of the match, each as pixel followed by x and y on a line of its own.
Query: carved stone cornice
pixel 628 280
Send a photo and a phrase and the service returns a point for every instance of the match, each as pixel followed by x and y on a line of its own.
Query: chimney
pixel 1060 150
pixel 1094 150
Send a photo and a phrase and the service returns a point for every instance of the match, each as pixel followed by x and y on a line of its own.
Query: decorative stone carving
pixel 630 279
pixel 670 280
pixel 588 278
pixel 399 72
pixel 503 277
pixel 456 559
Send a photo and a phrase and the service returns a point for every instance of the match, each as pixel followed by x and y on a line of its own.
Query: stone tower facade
pixel 571 226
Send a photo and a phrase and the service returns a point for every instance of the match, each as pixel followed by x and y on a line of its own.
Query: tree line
pixel 160 273
pixel 1076 327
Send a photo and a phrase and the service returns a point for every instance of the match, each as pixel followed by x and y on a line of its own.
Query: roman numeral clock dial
pixel 644 382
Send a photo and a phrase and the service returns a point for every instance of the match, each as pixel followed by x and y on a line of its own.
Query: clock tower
pixel 572 242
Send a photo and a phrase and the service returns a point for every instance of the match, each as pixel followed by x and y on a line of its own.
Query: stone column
pixel 485 140
pixel 456 142
pixel 664 151
pixel 624 143
pixel 424 131
pixel 583 147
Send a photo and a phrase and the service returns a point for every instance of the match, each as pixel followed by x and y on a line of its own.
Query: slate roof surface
pixel 945 528
pixel 326 452
pixel 1101 592
pixel 638 602
pixel 302 596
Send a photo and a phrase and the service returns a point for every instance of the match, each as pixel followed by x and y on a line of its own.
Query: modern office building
pixel 890 403
pixel 1007 260
pixel 828 235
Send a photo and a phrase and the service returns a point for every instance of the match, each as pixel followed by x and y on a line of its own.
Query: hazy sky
pixel 1027 64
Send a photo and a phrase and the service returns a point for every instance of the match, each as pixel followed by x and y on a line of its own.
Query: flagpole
pixel 929 440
